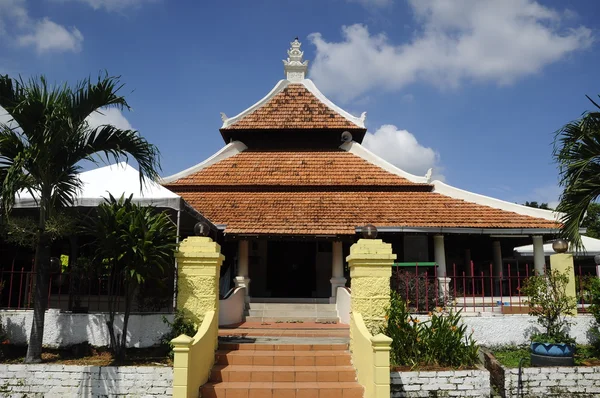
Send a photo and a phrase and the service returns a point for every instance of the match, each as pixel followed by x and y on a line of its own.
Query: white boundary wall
pixel 85 381
pixel 64 329
pixel 497 330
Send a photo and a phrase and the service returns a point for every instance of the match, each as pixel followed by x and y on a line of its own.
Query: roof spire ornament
pixel 295 68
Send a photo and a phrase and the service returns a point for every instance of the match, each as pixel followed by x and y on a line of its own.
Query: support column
pixel 497 266
pixel 370 263
pixel 241 279
pixel 439 254
pixel 337 269
pixel 539 259
pixel 468 261
pixel 199 262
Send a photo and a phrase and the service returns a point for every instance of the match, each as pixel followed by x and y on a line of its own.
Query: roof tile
pixel 293 168
pixel 295 107
pixel 316 213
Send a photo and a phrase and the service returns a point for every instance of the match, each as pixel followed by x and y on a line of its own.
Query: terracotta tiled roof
pixel 293 168
pixel 295 107
pixel 323 212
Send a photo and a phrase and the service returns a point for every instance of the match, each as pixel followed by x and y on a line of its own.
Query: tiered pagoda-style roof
pixel 294 166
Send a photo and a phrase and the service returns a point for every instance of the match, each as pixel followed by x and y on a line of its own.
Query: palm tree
pixel 133 244
pixel 41 150
pixel 577 152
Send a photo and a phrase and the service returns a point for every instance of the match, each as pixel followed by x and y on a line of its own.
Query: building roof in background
pixel 591 248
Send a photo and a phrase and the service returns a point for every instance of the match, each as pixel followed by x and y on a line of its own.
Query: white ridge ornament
pixel 295 68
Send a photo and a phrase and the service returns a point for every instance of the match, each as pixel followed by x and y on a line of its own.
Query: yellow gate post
pixel 370 263
pixel 199 262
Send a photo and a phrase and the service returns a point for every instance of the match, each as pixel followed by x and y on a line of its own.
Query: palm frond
pixel 88 97
pixel 577 152
pixel 116 144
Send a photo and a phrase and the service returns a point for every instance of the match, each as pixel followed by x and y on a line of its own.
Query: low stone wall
pixel 85 381
pixel 450 383
pixel 564 382
pixel 63 328
pixel 576 381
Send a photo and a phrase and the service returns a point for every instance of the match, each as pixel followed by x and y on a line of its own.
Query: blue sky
pixel 473 88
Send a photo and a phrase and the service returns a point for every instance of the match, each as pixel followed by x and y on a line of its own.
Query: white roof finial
pixel 295 68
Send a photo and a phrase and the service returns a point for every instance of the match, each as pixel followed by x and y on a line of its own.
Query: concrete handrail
pixel 371 358
pixel 231 309
pixel 342 303
pixel 194 357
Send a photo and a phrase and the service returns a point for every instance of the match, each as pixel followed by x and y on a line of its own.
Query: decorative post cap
pixel 182 341
pixel 295 68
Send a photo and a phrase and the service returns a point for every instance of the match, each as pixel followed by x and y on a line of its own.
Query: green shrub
pixel 441 341
pixel 179 326
pixel 549 302
pixel 592 296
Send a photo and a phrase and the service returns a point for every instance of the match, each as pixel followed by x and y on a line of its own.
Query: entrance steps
pixel 291 312
pixel 295 367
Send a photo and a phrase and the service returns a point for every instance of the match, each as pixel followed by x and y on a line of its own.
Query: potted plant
pixel 549 302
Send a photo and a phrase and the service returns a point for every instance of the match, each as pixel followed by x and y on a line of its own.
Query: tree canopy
pixel 577 153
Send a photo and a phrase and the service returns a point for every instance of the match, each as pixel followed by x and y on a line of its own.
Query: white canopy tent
pixel 122 179
pixel 591 245
pixel 117 179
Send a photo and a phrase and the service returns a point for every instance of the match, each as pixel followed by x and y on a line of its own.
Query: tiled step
pixel 292 314
pixel 283 368
pixel 283 390
pixel 292 319
pixel 283 358
pixel 282 347
pixel 248 373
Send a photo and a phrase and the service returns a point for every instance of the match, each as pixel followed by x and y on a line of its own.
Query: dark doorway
pixel 291 268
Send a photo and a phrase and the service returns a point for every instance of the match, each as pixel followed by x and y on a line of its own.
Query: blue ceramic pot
pixel 553 350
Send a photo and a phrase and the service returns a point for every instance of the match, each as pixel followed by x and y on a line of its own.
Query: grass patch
pixel 510 357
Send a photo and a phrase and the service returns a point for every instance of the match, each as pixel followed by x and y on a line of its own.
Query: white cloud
pixel 373 3
pixel 44 35
pixel 456 41
pixel 109 116
pixel 48 36
pixel 112 5
pixel 401 148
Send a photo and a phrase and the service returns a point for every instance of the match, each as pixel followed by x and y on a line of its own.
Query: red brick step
pixel 282 371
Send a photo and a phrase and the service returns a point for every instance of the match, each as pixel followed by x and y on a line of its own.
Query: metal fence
pixel 77 292
pixel 474 290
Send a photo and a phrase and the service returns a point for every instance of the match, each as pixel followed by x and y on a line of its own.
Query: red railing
pixel 478 289
pixel 68 291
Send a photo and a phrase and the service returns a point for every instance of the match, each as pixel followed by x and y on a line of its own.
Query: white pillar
pixel 539 258
pixel 497 266
pixel 241 279
pixel 439 254
pixel 337 269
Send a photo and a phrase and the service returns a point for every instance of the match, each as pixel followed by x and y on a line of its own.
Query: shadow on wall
pixel 64 329
pixel 16 329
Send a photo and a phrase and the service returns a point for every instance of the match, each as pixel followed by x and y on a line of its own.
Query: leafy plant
pixel 179 326
pixel 44 144
pixel 591 287
pixel 549 302
pixel 133 244
pixel 440 341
